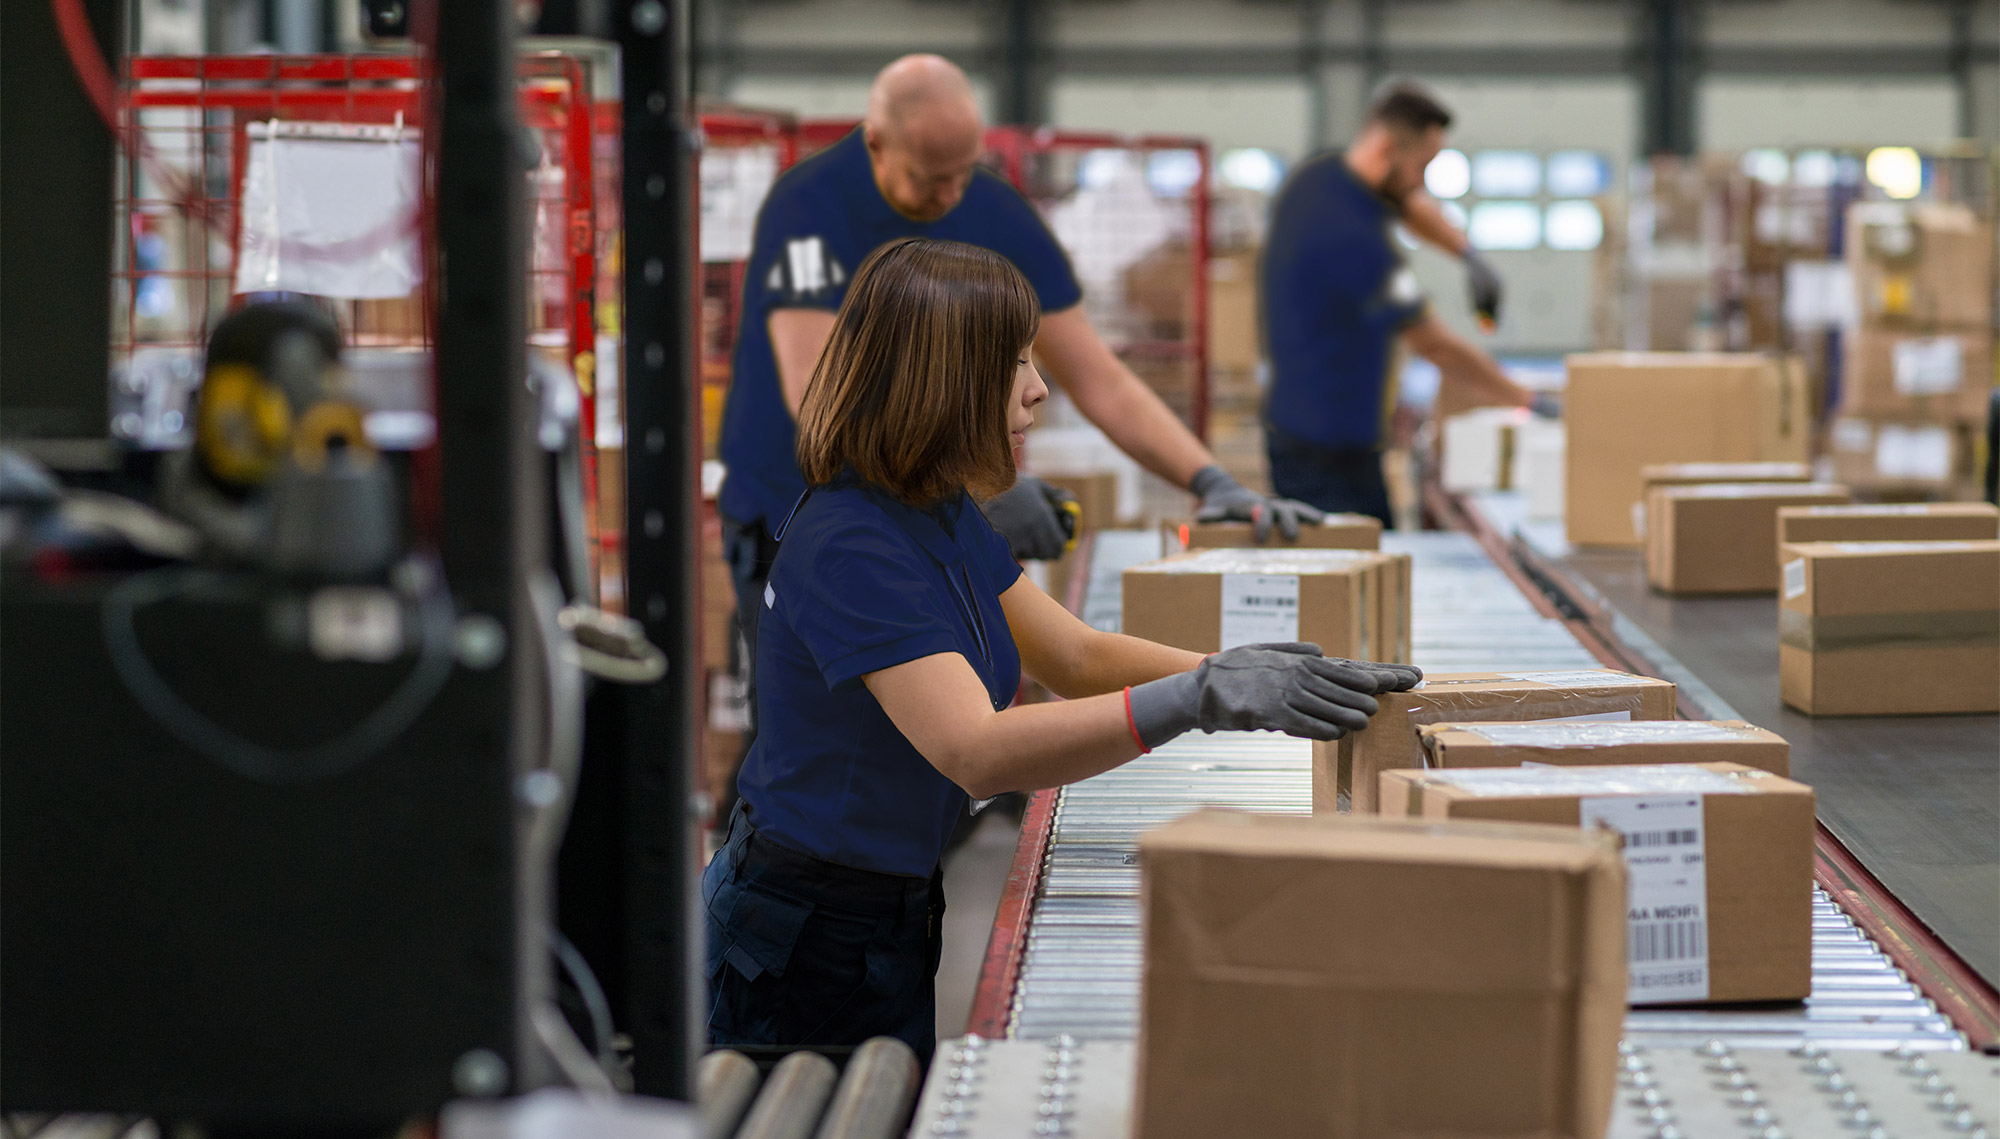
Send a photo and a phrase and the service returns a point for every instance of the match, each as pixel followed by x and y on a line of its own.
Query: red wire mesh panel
pixel 186 252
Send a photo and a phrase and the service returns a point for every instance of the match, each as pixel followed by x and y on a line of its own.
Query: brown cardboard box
pixel 1723 537
pixel 1751 845
pixel 1890 628
pixel 1376 979
pixel 1213 599
pixel 1628 410
pixel 1159 291
pixel 1234 340
pixel 1391 741
pixel 1902 458
pixel 1936 376
pixel 1922 266
pixel 1560 743
pixel 1890 522
pixel 1337 532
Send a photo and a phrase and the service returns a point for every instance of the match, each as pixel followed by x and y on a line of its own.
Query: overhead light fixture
pixel 1897 170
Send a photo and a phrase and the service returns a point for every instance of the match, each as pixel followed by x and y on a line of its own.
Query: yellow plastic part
pixel 242 425
pixel 323 422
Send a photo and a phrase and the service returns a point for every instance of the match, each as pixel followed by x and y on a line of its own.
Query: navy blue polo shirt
pixel 1336 294
pixel 821 220
pixel 863 582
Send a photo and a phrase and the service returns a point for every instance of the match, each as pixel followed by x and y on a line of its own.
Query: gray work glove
pixel 1223 499
pixel 1546 406
pixel 1030 515
pixel 1286 687
pixel 1484 285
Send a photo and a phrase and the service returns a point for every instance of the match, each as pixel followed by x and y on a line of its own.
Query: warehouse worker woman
pixel 912 170
pixel 895 630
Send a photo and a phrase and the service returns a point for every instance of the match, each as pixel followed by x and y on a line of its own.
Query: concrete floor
pixel 974 876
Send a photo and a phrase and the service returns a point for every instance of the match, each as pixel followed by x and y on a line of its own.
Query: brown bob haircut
pixel 912 389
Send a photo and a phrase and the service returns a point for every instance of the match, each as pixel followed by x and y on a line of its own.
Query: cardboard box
pixel 1096 494
pixel 1920 265
pixel 1540 447
pixel 1915 458
pixel 1890 522
pixel 1570 743
pixel 1391 741
pixel 1695 474
pixel 1210 600
pixel 1478 448
pixel 1370 979
pixel 1723 537
pixel 1720 859
pixel 1890 628
pixel 1934 376
pixel 1235 338
pixel 1337 532
pixel 1628 410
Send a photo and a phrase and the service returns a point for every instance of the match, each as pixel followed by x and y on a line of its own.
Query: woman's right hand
pixel 1287 687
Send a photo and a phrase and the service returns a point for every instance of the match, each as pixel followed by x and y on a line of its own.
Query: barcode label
pixel 1668 941
pixel 1662 838
pixel 1666 908
pixel 1258 608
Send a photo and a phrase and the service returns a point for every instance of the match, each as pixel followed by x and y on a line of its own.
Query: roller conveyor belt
pixel 1079 960
pixel 1079 971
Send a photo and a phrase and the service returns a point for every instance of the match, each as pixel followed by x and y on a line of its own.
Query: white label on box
pixel 1819 294
pixel 1579 678
pixel 1666 909
pixel 1639 519
pixel 1259 607
pixel 1852 435
pixel 1913 452
pixel 1932 366
pixel 1795 578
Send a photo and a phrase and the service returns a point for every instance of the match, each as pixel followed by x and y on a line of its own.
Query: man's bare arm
pixel 798 336
pixel 1109 395
pixel 1463 365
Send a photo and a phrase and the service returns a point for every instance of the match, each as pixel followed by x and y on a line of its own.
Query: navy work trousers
pixel 807 952
pixel 1347 480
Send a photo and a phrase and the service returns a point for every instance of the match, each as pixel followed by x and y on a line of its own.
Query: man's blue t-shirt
pixel 821 221
pixel 1336 294
pixel 863 582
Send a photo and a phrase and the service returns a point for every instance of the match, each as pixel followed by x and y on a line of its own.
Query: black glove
pixel 1286 687
pixel 1484 285
pixel 1223 499
pixel 1030 516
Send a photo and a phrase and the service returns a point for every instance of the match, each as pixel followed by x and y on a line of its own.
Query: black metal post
pixel 1024 54
pixel 659 948
pixel 1669 35
pixel 494 520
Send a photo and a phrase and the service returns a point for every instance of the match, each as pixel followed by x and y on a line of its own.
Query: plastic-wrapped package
pixel 330 209
pixel 1391 741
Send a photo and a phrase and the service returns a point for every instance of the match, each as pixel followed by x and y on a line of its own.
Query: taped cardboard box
pixel 1573 743
pixel 1890 628
pixel 1723 537
pixel 1629 410
pixel 1390 741
pixel 1890 522
pixel 1884 457
pixel 1370 979
pixel 1920 265
pixel 1695 474
pixel 1336 532
pixel 1936 376
pixel 1719 857
pixel 1210 600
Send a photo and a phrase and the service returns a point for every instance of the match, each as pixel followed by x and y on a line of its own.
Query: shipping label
pixel 1795 578
pixel 1933 366
pixel 1259 607
pixel 1667 903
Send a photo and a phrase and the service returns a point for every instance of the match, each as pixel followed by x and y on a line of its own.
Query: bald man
pixel 912 169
